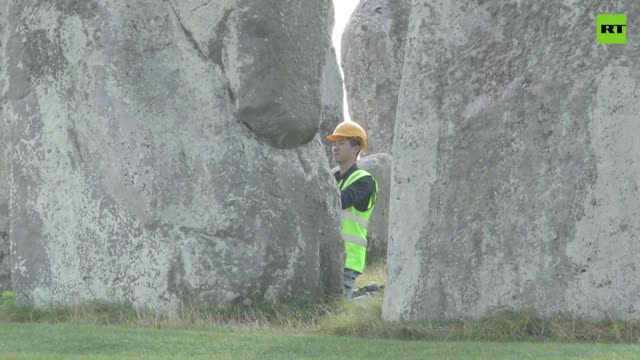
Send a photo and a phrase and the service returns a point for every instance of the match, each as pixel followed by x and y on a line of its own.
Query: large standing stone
pixel 5 266
pixel 372 58
pixel 5 263
pixel 516 163
pixel 145 154
pixel 379 165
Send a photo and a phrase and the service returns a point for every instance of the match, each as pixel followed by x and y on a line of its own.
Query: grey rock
pixel 5 259
pixel 275 66
pixel 373 47
pixel 379 165
pixel 133 175
pixel 332 101
pixel 516 163
pixel 5 264
pixel 368 291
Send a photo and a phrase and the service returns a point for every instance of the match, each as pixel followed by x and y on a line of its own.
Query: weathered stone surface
pixel 5 266
pixel 275 65
pixel 379 165
pixel 5 263
pixel 372 58
pixel 133 177
pixel 332 100
pixel 516 163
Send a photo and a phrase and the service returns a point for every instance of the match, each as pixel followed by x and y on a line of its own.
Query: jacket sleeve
pixel 357 193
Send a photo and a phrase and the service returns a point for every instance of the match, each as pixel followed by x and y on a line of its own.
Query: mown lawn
pixel 62 341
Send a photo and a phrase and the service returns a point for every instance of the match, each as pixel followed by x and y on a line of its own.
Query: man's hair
pixel 354 141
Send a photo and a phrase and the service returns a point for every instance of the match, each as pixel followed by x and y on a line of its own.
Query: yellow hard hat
pixel 349 129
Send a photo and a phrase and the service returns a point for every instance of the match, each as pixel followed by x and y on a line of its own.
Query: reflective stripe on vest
pixel 354 239
pixel 353 217
pixel 354 225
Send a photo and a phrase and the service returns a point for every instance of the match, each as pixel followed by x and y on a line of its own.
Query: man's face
pixel 343 151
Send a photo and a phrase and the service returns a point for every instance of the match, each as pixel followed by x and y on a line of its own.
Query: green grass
pixel 363 319
pixel 272 317
pixel 339 329
pixel 36 341
pixel 360 318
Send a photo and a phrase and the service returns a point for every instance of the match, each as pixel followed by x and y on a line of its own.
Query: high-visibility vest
pixel 354 225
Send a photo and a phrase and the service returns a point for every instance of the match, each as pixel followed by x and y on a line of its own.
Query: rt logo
pixel 612 29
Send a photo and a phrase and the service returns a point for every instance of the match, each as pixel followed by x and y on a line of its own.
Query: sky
pixel 343 10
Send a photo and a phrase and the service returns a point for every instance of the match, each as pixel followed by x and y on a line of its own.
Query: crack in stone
pixel 188 34
pixel 216 50
pixel 215 47
pixel 201 6
pixel 214 56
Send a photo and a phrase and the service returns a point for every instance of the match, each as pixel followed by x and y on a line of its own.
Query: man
pixel 358 193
